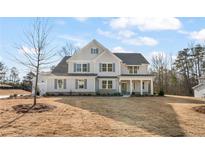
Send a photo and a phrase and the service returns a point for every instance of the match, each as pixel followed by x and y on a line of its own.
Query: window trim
pixel 81 67
pixel 133 69
pixel 77 65
pixel 106 67
pixel 94 50
pixel 107 84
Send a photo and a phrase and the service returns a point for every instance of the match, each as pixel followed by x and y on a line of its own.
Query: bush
pixel 161 93
pixel 15 95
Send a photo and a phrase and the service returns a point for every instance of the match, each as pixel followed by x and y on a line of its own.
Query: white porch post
pixel 130 87
pixel 120 90
pixel 151 86
pixel 141 90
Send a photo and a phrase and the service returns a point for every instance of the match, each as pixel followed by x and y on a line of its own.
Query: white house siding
pixel 107 58
pixel 199 92
pixel 85 53
pixel 70 84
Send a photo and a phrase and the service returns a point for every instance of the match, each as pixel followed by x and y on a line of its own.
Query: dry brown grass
pixel 106 116
pixel 13 91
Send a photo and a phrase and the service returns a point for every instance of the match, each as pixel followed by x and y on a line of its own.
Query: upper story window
pixel 133 69
pixel 78 67
pixel 94 50
pixel 82 67
pixel 107 67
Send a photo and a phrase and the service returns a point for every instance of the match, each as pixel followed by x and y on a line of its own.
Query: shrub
pixel 15 95
pixel 161 93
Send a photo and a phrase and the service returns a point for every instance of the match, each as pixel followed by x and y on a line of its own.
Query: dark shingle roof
pixel 132 58
pixel 62 67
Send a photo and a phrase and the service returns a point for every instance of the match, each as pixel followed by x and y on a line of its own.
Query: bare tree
pixel 37 52
pixel 159 66
pixel 3 70
pixel 68 50
pixel 14 73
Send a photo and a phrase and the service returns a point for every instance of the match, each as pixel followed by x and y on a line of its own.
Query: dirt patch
pixel 13 91
pixel 29 108
pixel 200 109
pixel 105 116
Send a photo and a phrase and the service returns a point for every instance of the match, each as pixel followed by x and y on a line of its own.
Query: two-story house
pixel 95 69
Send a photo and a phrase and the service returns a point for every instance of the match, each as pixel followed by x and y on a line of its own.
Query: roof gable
pixel 62 67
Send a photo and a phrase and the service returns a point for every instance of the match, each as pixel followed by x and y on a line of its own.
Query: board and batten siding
pixel 70 84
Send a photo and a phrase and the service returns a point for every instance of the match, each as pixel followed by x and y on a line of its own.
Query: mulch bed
pixel 200 109
pixel 27 108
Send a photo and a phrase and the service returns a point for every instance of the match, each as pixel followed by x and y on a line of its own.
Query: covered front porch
pixel 136 86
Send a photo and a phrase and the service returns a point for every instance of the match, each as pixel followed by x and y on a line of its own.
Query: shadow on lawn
pixel 157 118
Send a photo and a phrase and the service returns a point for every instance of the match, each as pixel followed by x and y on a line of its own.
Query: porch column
pixel 120 90
pixel 131 87
pixel 141 90
pixel 151 86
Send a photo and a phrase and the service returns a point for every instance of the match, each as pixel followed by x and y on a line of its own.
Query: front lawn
pixel 105 116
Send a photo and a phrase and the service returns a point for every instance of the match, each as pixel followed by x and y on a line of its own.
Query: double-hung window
pixel 104 67
pixel 81 84
pixel 85 67
pixel 107 67
pixel 81 67
pixel 106 84
pixel 133 69
pixel 94 50
pixel 78 67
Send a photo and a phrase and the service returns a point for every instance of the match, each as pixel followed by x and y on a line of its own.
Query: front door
pixel 124 87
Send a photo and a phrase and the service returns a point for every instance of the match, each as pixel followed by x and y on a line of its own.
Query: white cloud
pixel 120 50
pixel 82 19
pixel 141 41
pixel 128 37
pixel 78 41
pixel 126 33
pixel 198 35
pixel 104 33
pixel 143 24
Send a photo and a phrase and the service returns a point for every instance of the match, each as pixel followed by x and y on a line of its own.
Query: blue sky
pixel 145 35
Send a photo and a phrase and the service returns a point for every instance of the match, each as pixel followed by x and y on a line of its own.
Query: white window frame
pixel 80 81
pixel 85 67
pixel 106 67
pixel 62 84
pixel 107 84
pixel 77 67
pixel 81 68
pixel 133 69
pixel 94 50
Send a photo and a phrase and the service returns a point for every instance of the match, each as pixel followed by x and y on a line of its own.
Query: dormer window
pixel 94 50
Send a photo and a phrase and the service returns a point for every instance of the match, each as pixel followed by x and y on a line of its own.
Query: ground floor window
pixel 110 84
pixel 60 83
pixel 81 84
pixel 106 84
